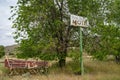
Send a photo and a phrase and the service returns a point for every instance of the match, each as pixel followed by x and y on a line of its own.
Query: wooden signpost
pixel 81 22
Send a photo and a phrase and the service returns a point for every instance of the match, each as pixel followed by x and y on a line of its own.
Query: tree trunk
pixel 117 58
pixel 62 62
pixel 62 58
pixel 62 53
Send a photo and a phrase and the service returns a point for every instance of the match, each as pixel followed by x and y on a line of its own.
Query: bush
pixel 2 52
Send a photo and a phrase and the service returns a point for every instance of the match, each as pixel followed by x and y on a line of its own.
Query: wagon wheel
pixel 10 73
pixel 45 70
pixel 31 71
pixel 37 70
pixel 34 70
pixel 25 70
pixel 15 72
pixel 21 70
pixel 40 70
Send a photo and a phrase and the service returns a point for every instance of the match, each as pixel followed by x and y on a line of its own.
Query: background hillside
pixel 10 49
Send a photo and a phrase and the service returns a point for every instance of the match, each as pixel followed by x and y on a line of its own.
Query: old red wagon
pixel 17 66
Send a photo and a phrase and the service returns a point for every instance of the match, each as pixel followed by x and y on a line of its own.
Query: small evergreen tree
pixel 2 52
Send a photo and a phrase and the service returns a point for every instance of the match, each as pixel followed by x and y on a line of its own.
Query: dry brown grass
pixel 43 77
pixel 94 70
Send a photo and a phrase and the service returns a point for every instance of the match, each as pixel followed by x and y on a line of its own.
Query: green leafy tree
pixel 106 43
pixel 43 26
pixel 103 35
pixel 2 52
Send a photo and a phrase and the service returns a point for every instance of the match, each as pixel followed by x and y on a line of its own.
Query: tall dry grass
pixel 94 70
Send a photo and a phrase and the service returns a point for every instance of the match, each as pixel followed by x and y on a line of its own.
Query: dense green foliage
pixel 2 51
pixel 102 38
pixel 106 33
pixel 42 27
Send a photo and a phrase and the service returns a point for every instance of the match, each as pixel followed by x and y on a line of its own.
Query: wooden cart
pixel 17 66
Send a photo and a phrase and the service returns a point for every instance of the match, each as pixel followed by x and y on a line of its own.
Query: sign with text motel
pixel 78 21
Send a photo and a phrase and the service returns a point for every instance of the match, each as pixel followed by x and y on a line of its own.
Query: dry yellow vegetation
pixel 94 70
